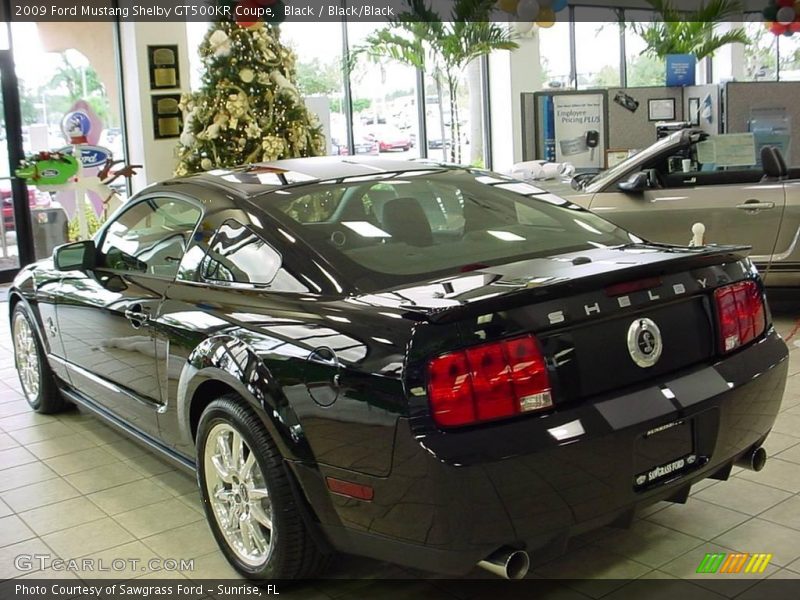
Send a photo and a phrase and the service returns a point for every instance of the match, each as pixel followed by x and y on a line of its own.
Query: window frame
pixel 100 237
pixel 201 276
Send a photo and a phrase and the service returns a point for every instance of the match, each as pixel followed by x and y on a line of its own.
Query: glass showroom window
pixel 318 49
pixel 467 125
pixel 384 99
pixel 761 54
pixel 789 53
pixel 597 40
pixel 60 68
pixel 642 69
pixel 195 32
pixel 554 54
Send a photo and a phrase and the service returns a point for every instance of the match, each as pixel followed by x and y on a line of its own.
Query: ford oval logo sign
pixel 93 156
pixel 90 156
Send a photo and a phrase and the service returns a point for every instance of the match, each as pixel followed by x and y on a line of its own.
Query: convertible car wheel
pixel 38 385
pixel 247 496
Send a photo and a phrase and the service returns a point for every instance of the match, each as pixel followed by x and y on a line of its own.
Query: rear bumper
pixel 452 499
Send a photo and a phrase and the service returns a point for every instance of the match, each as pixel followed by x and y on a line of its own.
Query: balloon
pixel 508 6
pixel 788 33
pixel 786 15
pixel 788 3
pixel 546 3
pixel 546 18
pixel 558 5
pixel 522 27
pixel 527 10
pixel 797 7
pixel 777 28
pixel 795 27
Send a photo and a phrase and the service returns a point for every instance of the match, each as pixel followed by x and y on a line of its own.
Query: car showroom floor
pixel 72 487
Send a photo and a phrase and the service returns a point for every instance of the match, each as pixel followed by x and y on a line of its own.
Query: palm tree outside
pixel 682 32
pixel 421 38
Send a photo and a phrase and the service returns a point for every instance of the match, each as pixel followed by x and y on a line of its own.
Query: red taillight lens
pixel 488 382
pixel 491 381
pixel 529 374
pixel 740 314
pixel 450 383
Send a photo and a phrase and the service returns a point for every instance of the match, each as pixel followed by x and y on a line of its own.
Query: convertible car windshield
pixel 415 223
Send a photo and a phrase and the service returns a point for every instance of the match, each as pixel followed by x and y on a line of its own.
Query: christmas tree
pixel 248 108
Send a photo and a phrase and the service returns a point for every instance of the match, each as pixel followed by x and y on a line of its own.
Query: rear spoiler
pixel 518 294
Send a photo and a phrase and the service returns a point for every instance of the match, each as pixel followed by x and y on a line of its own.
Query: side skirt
pixel 149 441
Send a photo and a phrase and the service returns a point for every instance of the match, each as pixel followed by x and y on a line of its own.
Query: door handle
pixel 137 315
pixel 755 205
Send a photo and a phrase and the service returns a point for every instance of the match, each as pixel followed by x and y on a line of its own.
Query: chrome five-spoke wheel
pixel 238 494
pixel 26 355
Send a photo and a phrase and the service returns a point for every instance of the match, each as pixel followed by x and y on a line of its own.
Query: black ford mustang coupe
pixel 424 364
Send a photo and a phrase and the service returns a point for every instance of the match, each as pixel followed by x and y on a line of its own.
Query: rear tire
pixel 37 379
pixel 248 498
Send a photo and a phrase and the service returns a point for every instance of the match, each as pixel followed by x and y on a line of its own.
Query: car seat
pixel 773 164
pixel 405 221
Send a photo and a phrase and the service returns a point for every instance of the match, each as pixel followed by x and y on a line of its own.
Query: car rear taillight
pixel 488 382
pixel 740 314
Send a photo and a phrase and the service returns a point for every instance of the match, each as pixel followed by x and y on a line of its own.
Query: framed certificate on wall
pixel 167 121
pixel 661 109
pixel 163 65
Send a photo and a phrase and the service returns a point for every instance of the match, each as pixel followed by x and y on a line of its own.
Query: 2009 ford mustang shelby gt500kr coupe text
pixel 419 363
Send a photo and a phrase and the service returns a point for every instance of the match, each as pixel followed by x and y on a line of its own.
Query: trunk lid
pixel 584 309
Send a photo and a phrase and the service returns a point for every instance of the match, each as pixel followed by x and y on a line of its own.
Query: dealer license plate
pixel 663 453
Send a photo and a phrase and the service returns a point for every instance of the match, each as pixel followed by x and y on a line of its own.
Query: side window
pixel 239 255
pixel 150 237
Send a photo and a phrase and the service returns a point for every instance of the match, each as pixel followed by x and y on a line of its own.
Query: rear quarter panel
pixel 338 413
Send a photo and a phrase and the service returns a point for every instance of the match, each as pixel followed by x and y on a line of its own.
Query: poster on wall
pixel 579 128
pixel 680 69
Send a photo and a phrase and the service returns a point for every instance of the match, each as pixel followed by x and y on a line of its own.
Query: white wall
pixel 157 156
pixel 510 74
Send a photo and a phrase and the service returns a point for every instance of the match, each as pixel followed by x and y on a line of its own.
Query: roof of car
pixel 260 178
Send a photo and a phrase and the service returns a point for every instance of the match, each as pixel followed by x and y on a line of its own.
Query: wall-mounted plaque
pixel 163 63
pixel 167 121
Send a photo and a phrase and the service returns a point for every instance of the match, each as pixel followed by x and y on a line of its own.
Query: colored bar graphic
pixel 710 563
pixel 734 563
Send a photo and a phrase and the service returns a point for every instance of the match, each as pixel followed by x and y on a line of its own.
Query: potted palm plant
pixel 690 33
pixel 419 37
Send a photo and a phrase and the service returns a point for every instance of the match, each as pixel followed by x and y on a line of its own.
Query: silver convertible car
pixel 652 195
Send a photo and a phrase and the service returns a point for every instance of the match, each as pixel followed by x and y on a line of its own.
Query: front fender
pixel 229 360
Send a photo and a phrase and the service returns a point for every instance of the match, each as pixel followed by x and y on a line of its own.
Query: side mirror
pixel 77 256
pixel 638 182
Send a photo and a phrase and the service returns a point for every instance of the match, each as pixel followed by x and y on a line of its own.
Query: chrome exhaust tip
pixel 507 563
pixel 754 459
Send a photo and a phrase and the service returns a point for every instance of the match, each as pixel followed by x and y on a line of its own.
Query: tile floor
pixel 72 487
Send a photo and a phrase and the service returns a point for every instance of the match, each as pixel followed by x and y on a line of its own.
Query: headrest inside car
pixel 772 163
pixel 405 221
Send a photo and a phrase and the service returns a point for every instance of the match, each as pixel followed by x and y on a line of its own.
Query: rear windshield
pixel 408 226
